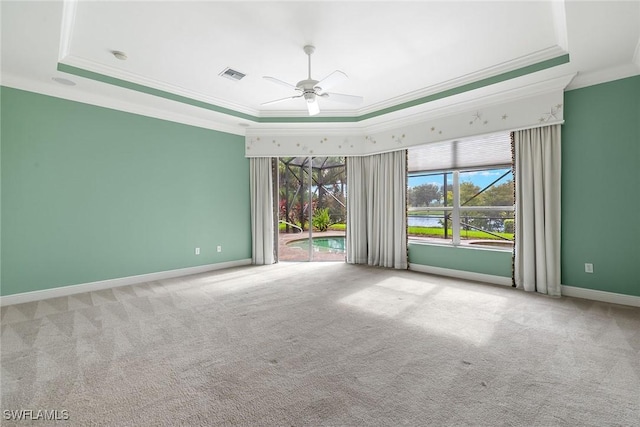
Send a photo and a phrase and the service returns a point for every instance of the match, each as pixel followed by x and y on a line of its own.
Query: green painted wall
pixel 601 187
pixel 485 261
pixel 90 193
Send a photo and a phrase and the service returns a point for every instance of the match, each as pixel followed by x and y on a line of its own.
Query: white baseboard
pixel 592 294
pixel 113 283
pixel 568 291
pixel 460 274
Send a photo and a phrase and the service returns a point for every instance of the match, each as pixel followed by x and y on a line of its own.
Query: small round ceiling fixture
pixel 119 55
pixel 63 81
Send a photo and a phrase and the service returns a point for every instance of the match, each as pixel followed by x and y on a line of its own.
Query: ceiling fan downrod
pixel 309 49
pixel 308 86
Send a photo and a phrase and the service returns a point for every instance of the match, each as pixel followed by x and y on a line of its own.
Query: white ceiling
pixel 393 52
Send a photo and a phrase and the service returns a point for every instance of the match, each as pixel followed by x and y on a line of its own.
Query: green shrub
pixel 508 226
pixel 322 219
pixel 466 234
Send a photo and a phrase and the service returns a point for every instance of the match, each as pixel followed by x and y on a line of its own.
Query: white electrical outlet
pixel 588 268
pixel 197 251
pixel 219 248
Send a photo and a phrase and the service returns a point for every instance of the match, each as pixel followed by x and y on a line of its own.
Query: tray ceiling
pixel 393 52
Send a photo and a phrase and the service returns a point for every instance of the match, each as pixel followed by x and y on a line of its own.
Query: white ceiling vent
pixel 232 74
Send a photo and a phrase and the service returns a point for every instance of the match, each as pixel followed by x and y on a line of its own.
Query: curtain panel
pixel 262 229
pixel 376 210
pixel 537 210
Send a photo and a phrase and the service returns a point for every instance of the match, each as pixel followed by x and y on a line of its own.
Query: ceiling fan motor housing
pixel 308 88
pixel 308 84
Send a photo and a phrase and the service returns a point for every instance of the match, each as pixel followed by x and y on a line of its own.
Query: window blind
pixel 479 151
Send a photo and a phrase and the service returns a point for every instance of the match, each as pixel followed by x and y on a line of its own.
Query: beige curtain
pixel 262 229
pixel 376 210
pixel 537 210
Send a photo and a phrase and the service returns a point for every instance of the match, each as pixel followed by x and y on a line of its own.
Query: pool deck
pixel 290 253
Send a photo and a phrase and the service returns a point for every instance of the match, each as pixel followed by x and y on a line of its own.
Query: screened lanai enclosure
pixel 311 208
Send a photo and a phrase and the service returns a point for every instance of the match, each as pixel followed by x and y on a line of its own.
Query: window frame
pixel 456 209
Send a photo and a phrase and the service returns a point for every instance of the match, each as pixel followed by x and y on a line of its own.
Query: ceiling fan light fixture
pixel 313 107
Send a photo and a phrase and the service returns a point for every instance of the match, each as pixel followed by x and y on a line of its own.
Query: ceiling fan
pixel 311 90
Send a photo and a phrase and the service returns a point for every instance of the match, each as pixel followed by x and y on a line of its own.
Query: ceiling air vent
pixel 232 74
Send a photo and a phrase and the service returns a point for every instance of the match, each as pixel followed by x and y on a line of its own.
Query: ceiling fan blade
pixel 280 100
pixel 313 106
pixel 341 97
pixel 279 82
pixel 331 80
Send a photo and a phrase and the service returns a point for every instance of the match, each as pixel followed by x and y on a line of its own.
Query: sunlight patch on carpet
pixel 458 313
pixel 381 301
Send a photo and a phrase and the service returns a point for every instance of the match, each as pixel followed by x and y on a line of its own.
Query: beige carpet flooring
pixel 324 344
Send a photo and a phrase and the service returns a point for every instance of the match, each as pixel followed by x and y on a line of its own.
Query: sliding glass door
pixel 311 208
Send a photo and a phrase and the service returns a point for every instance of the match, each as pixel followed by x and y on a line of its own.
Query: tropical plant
pixel 321 219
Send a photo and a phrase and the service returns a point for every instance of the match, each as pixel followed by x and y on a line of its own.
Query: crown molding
pixel 604 76
pixel 116 73
pixel 521 63
pixel 148 86
pixel 522 88
pixel 69 8
pixel 306 130
pixel 501 93
pixel 486 116
pixel 559 17
pixel 71 94
pixel 302 113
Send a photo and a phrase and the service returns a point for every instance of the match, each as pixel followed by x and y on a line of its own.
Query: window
pixel 469 201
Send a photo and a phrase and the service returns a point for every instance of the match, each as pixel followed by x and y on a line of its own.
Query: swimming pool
pixel 333 244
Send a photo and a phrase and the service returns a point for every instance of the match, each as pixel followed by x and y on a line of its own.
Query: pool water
pixel 496 243
pixel 321 244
